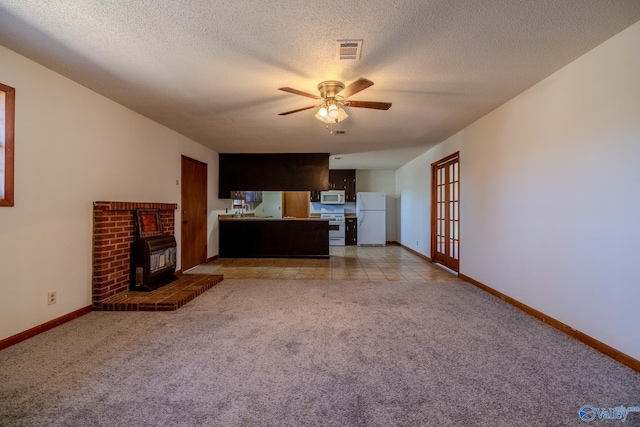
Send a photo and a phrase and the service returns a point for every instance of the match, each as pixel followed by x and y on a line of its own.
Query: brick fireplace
pixel 113 236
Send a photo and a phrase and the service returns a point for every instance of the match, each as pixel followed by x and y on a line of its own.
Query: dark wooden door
pixel 445 212
pixel 194 213
pixel 295 204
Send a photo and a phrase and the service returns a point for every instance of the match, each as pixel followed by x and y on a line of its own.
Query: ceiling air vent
pixel 349 49
pixel 340 132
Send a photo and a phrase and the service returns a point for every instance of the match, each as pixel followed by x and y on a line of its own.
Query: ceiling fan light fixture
pixel 333 111
pixel 338 115
pixel 341 114
pixel 323 119
pixel 333 96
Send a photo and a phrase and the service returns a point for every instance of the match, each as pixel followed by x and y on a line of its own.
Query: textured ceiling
pixel 210 69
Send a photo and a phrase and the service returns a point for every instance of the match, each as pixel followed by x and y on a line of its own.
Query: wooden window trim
pixel 9 133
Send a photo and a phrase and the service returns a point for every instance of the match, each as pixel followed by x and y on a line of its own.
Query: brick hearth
pixel 113 234
pixel 169 297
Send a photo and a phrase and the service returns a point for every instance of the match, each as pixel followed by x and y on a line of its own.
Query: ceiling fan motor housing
pixel 330 88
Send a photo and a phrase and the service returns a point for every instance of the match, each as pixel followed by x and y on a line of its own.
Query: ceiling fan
pixel 333 96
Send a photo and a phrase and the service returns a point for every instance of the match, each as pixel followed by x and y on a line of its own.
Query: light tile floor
pixel 389 263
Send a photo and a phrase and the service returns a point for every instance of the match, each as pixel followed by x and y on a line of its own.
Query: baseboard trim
pixel 416 253
pixel 15 339
pixel 621 357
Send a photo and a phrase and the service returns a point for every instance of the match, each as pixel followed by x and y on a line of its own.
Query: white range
pixel 336 225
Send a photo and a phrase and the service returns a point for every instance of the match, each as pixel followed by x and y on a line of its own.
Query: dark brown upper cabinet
pixel 340 179
pixel 272 172
pixel 344 179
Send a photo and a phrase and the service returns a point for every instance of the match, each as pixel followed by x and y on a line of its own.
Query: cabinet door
pixel 351 231
pixel 338 179
pixel 334 182
pixel 350 185
pixel 239 195
pixel 344 179
pixel 254 196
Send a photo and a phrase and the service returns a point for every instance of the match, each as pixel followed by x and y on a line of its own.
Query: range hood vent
pixel 349 49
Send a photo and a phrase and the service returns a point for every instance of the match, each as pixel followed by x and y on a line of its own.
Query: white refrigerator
pixel 371 213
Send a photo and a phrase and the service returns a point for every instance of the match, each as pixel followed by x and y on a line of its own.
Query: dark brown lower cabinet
pixel 351 231
pixel 274 238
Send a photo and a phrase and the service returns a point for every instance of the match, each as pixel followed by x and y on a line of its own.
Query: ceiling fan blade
pixel 369 104
pixel 295 111
pixel 298 92
pixel 355 87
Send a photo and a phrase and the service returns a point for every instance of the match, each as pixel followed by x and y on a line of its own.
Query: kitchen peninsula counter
pixel 259 237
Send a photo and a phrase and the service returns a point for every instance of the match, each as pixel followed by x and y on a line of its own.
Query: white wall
pixel 550 195
pixel 413 182
pixel 271 204
pixel 74 147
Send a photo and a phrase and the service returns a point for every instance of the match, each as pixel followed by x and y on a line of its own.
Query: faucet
pixel 241 211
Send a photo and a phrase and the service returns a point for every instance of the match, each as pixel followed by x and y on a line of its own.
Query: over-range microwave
pixel 333 197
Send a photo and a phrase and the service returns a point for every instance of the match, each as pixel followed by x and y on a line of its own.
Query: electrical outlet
pixel 416 243
pixel 51 297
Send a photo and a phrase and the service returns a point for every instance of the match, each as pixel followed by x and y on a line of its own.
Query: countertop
pixel 253 217
pixel 260 218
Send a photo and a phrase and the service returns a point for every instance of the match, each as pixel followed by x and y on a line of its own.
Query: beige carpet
pixel 317 353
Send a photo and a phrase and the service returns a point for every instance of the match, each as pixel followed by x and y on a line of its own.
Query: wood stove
pixel 153 253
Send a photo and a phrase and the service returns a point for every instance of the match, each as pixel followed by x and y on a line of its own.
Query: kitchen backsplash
pixel 271 205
